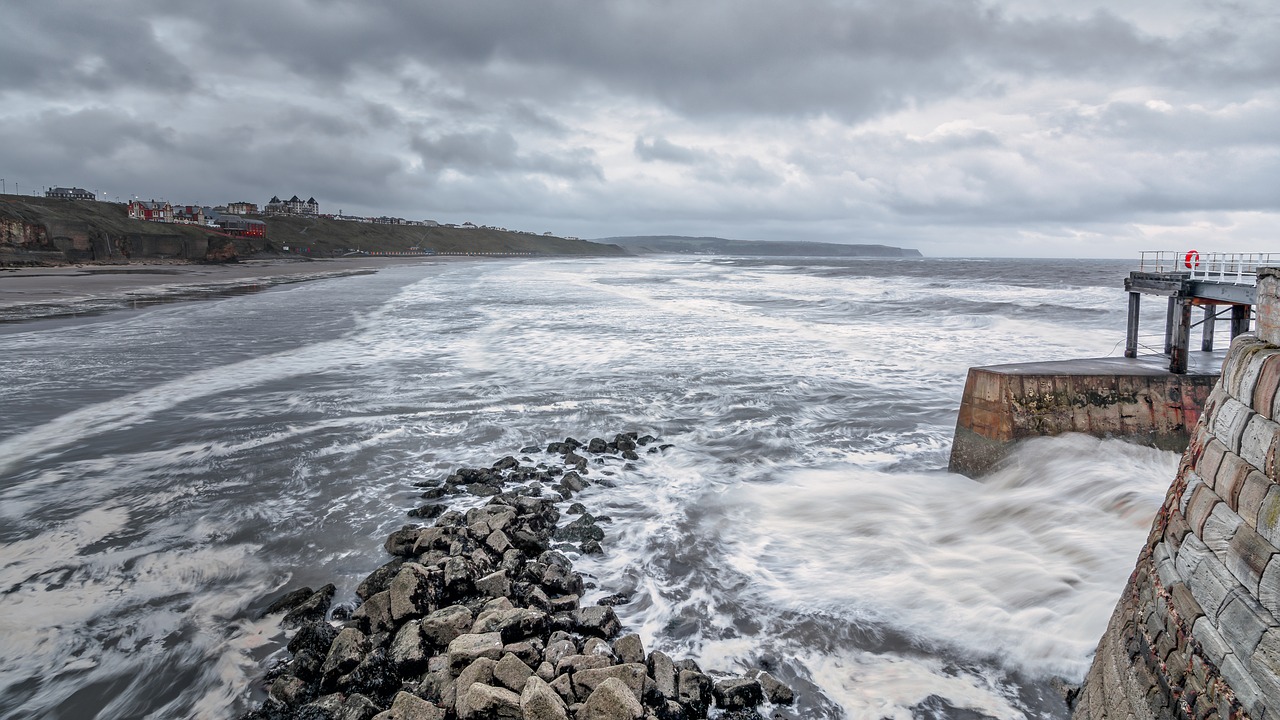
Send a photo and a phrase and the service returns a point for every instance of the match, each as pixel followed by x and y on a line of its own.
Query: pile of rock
pixel 479 616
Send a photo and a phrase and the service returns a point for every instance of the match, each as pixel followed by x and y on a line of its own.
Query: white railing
pixel 1237 268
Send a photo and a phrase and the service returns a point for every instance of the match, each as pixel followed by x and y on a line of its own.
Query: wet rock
pixel 591 547
pixel 498 542
pixel 539 702
pixel 563 687
pixel 529 651
pixel 572 664
pixel 434 493
pixel 484 489
pixel 596 646
pixel 315 636
pixel 664 674
pixel 479 672
pixel 374 616
pixel 506 463
pixel 576 509
pixel 290 691
pixel 311 609
pixel 512 673
pixel 624 442
pixel 401 542
pixel 558 649
pixel 530 449
pixel 612 700
pixel 466 649
pixel 573 482
pixel 597 446
pixel 583 528
pixel 738 693
pixel 599 621
pixel 585 682
pixel 614 600
pixel 444 625
pixel 629 648
pixel 695 691
pixel 409 651
pixel 357 707
pixel 630 455
pixel 486 702
pixel 346 653
pixel 427 511
pixel 306 664
pixel 495 584
pixel 380 579
pixel 576 460
pixel 406 706
pixel 287 601
pixel 775 691
pixel 412 593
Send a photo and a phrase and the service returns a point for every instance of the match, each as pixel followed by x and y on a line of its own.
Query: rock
pixel 520 623
pixel 774 690
pixel 591 547
pixel 374 616
pixel 585 682
pixel 611 701
pixel 315 636
pixel 529 652
pixel 695 692
pixel 597 446
pixel 498 542
pixel 530 449
pixel 466 649
pixel 596 646
pixel 329 707
pixel 409 652
pixel 411 707
pixel 288 601
pixel 307 663
pixel 539 702
pixel 646 439
pixel 670 710
pixel 495 584
pixel 289 691
pixel 564 688
pixel 546 671
pixel 576 509
pixel 570 664
pixel 347 651
pixel 512 672
pixel 624 442
pixel 614 600
pixel 311 609
pixel 411 592
pixel 574 482
pixel 583 528
pixel 358 707
pixel 401 542
pixel 664 674
pixel 459 577
pixel 485 702
pixel 506 463
pixel 380 579
pixel 558 649
pixel 629 648
pixel 478 672
pixel 600 621
pixel 442 626
pixel 738 693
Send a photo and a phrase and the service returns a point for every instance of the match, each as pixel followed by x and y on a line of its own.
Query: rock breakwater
pixel 480 615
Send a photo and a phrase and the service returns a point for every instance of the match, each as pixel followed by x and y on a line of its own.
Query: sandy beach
pixel 35 293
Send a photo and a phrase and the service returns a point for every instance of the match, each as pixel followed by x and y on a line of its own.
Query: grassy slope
pixel 323 237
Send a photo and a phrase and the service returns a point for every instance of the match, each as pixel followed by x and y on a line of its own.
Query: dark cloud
pixel 659 148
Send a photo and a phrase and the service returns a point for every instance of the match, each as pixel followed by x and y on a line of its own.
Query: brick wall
pixel 1196 632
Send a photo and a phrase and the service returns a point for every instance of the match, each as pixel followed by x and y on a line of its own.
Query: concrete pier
pixel 1136 399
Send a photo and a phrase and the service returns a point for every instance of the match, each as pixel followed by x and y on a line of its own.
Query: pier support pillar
pixel 1180 343
pixel 1131 337
pixel 1168 325
pixel 1206 337
pixel 1239 320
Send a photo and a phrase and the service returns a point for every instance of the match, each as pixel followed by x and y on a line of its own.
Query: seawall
pixel 1136 399
pixel 1196 633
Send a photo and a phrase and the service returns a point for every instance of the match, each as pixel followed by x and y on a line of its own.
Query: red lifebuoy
pixel 1192 260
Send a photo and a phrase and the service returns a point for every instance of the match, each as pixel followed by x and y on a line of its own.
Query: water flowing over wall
pixel 1196 632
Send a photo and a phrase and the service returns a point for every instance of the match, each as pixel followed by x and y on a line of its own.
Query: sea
pixel 166 470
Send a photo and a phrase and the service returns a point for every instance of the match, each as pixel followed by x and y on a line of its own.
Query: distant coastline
pixel 662 244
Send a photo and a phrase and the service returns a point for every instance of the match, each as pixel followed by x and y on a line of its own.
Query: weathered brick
pixel 1259 436
pixel 1242 623
pixel 1268 525
pixel 1212 586
pixel 1229 423
pixel 1219 528
pixel 1212 644
pixel 1264 392
pixel 1269 586
pixel 1190 555
pixel 1247 556
pixel 1231 476
pixel 1200 506
pixel 1185 604
pixel 1268 305
pixel 1175 530
pixel 1255 489
pixel 1211 458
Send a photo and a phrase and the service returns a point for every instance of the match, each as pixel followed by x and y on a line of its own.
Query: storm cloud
pixel 956 126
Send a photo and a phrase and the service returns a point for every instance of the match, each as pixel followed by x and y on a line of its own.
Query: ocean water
pixel 164 470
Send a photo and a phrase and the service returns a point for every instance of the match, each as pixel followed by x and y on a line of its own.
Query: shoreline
pixel 30 294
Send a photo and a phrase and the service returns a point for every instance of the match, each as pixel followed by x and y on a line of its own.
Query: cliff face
pixel 1196 633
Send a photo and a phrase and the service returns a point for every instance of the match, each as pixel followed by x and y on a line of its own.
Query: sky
pixel 1015 128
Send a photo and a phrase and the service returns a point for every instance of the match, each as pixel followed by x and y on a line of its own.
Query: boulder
pixel 664 674
pixel 486 702
pixel 289 691
pixel 633 676
pixel 600 621
pixel 347 651
pixel 571 664
pixel 313 608
pixel 495 584
pixel 695 692
pixel 409 651
pixel 402 541
pixel 359 707
pixel 315 636
pixel 466 649
pixel 287 601
pixel 738 693
pixel 582 528
pixel 774 690
pixel 411 592
pixel 411 707
pixel 612 700
pixel 629 648
pixel 379 579
pixel 478 672
pixel 512 673
pixel 539 702
pixel 442 626
pixel 596 646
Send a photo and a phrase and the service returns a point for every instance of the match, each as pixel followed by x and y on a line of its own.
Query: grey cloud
pixel 661 149
pixel 486 152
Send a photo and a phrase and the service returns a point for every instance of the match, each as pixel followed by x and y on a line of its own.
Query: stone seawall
pixel 1196 633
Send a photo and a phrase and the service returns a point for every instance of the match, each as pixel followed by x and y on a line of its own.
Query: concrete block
pixel 1268 305
pixel 1247 556
pixel 1192 552
pixel 1239 678
pixel 1162 559
pixel 1268 524
pixel 1257 441
pixel 1202 502
pixel 1219 528
pixel 1264 392
pixel 1243 622
pixel 1211 642
pixel 1250 371
pixel 1231 477
pixel 1236 366
pixel 1184 604
pixel 1212 586
pixel 1211 458
pixel 1269 586
pixel 1255 489
pixel 1230 421
pixel 1175 530
pixel 1194 482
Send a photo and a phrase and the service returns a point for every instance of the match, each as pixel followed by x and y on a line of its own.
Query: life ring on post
pixel 1192 260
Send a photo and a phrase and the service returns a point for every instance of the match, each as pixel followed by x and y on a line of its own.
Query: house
pixel 292 206
pixel 241 226
pixel 61 193
pixel 188 214
pixel 242 208
pixel 151 211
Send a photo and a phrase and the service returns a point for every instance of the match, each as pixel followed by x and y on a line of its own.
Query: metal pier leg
pixel 1181 336
pixel 1131 337
pixel 1168 325
pixel 1239 319
pixel 1210 315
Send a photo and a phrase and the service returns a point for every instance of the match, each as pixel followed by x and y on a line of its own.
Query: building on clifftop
pixel 74 193
pixel 292 206
pixel 151 211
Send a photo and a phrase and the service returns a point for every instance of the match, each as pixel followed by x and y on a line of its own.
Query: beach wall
pixel 1196 633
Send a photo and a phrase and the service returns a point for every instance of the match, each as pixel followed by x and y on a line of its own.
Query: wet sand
pixel 35 293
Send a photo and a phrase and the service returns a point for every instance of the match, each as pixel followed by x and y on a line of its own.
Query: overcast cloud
pixel 1016 128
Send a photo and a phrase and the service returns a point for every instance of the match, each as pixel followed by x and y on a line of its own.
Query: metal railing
pixel 1236 268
